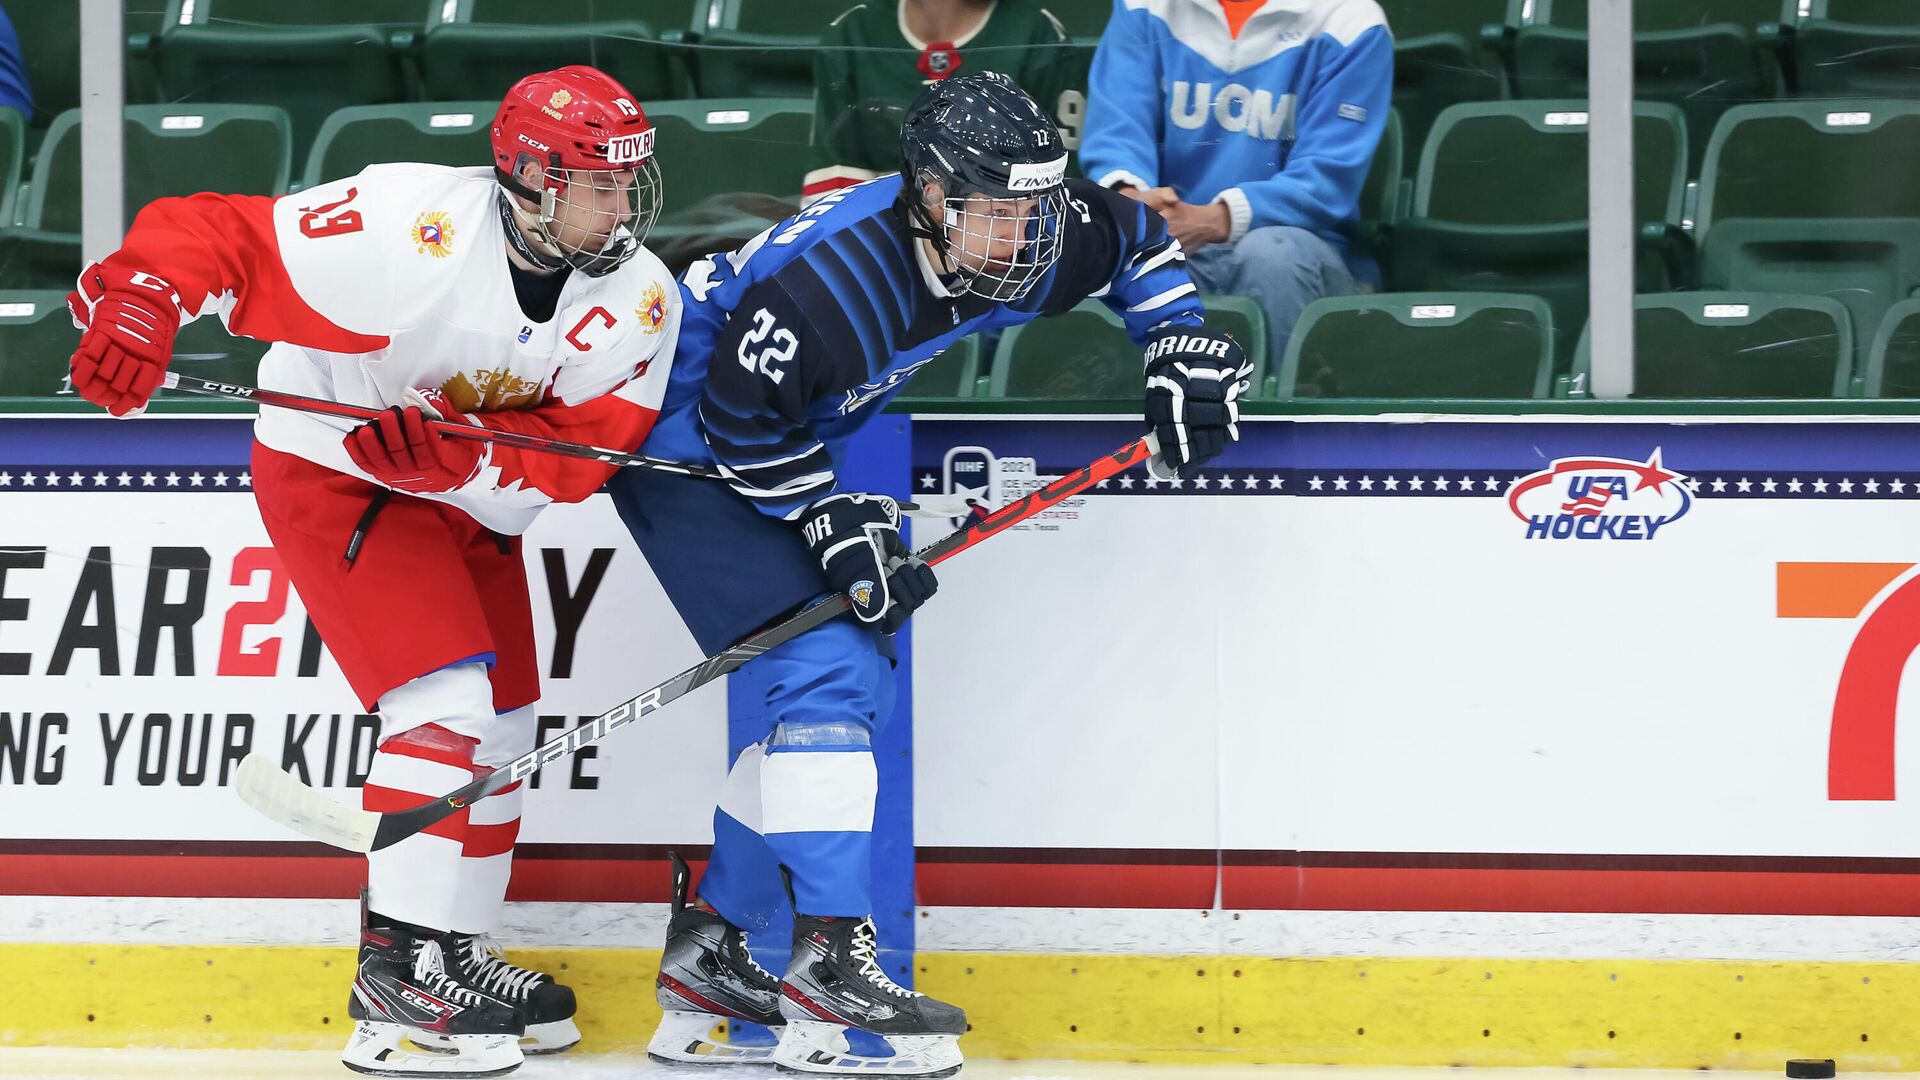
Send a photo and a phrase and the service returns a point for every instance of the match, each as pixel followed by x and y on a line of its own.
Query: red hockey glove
pixel 403 451
pixel 130 318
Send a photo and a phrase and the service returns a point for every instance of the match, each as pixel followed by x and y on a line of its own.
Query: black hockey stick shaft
pixel 400 824
pixel 302 403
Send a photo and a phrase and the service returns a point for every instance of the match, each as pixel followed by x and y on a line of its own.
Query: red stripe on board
pixel 1279 880
pixel 338 877
pixel 1666 891
pixel 1079 885
pixel 1309 888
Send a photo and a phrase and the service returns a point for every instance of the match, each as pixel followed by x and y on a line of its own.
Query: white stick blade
pixel 279 797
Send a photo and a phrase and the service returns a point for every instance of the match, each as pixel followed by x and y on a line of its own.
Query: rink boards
pixel 1382 734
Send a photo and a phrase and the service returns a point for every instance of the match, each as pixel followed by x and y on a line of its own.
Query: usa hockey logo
pixel 1599 499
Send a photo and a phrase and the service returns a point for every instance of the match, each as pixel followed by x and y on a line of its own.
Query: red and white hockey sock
pixel 432 727
pixel 417 879
pixel 493 827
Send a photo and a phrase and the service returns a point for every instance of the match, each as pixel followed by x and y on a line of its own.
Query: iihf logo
pixel 1599 499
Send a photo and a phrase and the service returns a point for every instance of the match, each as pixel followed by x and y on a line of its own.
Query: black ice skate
pixel 545 1005
pixel 707 978
pixel 835 982
pixel 403 990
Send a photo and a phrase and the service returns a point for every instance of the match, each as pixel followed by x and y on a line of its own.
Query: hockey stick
pixel 301 403
pixel 275 793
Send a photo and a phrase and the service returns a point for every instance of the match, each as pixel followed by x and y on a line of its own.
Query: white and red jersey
pixel 398 278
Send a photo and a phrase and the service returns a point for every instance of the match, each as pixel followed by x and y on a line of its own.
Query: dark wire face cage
pixel 1003 247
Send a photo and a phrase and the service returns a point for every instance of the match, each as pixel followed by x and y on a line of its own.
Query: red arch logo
pixel 1860 747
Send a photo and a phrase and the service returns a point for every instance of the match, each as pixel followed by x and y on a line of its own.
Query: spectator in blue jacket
pixel 14 92
pixel 1249 124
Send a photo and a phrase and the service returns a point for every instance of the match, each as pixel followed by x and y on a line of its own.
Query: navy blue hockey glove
pixel 856 537
pixel 1194 381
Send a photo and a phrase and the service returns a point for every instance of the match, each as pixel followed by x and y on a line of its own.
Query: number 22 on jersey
pixel 778 351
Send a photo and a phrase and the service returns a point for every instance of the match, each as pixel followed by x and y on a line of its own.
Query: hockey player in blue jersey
pixel 786 347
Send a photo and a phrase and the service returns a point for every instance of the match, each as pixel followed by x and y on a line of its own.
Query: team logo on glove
pixel 862 592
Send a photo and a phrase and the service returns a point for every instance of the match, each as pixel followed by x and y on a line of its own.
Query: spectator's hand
pixel 1157 199
pixel 1194 381
pixel 130 319
pixel 1197 226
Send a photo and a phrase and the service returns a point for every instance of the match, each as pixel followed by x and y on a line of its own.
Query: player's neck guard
pixel 516 229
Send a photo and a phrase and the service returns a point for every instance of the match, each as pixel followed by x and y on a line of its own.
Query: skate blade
pixel 552 1037
pixel 687 1038
pixel 375 1050
pixel 815 1048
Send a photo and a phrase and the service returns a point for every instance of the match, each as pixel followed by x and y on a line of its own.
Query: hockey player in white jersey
pixel 517 298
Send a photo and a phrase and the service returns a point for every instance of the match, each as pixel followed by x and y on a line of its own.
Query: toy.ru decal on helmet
pixel 575 153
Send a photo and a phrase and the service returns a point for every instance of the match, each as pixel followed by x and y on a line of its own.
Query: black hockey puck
pixel 1810 1069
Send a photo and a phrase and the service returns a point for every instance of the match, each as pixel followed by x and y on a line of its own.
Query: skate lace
pixel 740 950
pixel 429 967
pixel 494 974
pixel 866 950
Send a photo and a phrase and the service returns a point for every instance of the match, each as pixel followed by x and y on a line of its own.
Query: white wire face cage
pixel 1003 247
pixel 592 202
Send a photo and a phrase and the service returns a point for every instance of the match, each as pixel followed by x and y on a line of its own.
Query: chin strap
pixel 920 224
pixel 517 231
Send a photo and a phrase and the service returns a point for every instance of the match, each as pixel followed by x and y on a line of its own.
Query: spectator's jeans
pixel 1281 268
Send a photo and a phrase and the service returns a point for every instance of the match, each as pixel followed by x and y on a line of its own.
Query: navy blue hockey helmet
pixel 1001 168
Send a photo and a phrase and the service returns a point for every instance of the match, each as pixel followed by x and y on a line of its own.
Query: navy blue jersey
pixel 792 342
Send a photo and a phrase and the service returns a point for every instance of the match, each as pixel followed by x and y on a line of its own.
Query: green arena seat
pixel 1441 58
pixel 170 150
pixel 36 338
pixel 205 349
pixel 1807 159
pixel 439 133
pixel 1086 355
pixel 740 63
pixel 1795 199
pixel 1863 48
pixel 13 129
pixel 1081 355
pixel 1500 204
pixel 308 59
pixel 1893 363
pixel 1702 55
pixel 1388 190
pixel 50 47
pixel 1737 345
pixel 476 49
pixel 1246 322
pixel 1381 198
pixel 1421 345
pixel 723 146
pixel 765 48
pixel 730 168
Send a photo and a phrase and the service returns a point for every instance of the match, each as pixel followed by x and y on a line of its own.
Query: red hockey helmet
pixel 598 189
